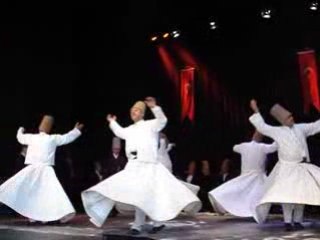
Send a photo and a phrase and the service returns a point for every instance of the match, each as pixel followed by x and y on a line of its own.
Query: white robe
pixel 163 154
pixel 144 183
pixel 240 195
pixel 35 191
pixel 290 181
pixel 164 158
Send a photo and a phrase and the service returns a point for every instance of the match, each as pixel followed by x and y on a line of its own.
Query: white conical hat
pixel 280 113
pixel 140 105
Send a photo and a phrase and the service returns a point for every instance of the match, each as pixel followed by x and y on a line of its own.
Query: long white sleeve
pixel 67 138
pixel 118 130
pixel 270 148
pixel 161 120
pixel 23 138
pixel 238 148
pixel 259 123
pixel 310 129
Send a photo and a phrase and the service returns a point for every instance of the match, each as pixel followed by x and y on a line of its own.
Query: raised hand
pixel 111 117
pixel 79 126
pixel 254 105
pixel 150 102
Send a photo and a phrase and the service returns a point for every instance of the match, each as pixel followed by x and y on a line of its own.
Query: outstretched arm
pixel 238 148
pixel 259 123
pixel 22 137
pixel 270 148
pixel 161 120
pixel 70 136
pixel 310 129
pixel 115 127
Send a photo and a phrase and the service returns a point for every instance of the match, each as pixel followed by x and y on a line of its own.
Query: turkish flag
pixel 309 80
pixel 187 93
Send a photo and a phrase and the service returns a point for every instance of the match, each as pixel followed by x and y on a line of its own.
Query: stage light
pixel 266 13
pixel 313 6
pixel 165 35
pixel 213 25
pixel 175 34
pixel 154 38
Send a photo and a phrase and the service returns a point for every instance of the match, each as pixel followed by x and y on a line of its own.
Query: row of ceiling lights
pixel 266 14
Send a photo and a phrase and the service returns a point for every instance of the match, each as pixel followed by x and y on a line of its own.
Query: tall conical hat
pixel 280 113
pixel 46 124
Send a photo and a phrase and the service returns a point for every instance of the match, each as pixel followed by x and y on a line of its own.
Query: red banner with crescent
pixel 309 80
pixel 187 93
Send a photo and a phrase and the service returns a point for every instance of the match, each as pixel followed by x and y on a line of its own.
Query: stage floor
pixel 203 226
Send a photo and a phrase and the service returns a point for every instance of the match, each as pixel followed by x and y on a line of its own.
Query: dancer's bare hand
pixel 150 102
pixel 111 117
pixel 79 126
pixel 254 105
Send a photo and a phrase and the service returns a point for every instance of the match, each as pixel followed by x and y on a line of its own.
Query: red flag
pixel 309 80
pixel 187 93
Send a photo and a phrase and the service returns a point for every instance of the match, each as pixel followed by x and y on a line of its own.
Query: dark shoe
pixel 53 223
pixel 133 231
pixel 34 223
pixel 113 213
pixel 288 227
pixel 298 226
pixel 156 229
